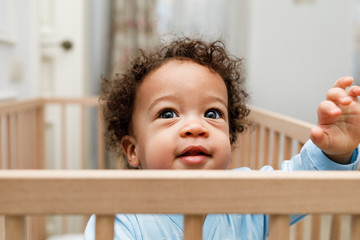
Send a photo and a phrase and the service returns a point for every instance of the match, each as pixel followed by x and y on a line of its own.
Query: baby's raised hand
pixel 338 131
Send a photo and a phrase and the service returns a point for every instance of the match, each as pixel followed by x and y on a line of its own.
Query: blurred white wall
pixel 296 51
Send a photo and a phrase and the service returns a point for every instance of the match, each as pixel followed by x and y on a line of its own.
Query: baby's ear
pixel 128 145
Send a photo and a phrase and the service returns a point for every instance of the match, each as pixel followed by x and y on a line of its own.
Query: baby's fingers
pixel 344 82
pixel 354 92
pixel 338 96
pixel 327 109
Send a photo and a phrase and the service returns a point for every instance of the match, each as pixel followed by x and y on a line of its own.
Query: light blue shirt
pixel 219 226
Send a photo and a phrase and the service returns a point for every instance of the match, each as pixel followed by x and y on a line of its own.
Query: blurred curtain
pixel 133 27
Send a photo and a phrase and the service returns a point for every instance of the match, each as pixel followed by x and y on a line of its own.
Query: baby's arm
pixel 338 131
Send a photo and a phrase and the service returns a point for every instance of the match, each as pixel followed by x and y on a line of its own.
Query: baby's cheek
pixel 224 152
pixel 159 154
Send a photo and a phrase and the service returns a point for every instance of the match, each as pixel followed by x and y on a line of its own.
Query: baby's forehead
pixel 185 79
pixel 180 66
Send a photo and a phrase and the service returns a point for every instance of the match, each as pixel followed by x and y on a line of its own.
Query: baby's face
pixel 180 119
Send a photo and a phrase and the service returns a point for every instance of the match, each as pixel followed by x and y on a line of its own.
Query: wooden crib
pixel 273 137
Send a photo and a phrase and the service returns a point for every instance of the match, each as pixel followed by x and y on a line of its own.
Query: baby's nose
pixel 194 129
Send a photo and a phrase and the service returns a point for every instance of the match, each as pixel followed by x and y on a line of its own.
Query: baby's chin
pixel 208 165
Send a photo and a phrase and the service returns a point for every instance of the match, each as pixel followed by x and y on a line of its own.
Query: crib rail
pixel 192 193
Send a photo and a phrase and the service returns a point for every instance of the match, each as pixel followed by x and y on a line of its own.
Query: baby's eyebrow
pixel 168 98
pixel 178 99
pixel 220 100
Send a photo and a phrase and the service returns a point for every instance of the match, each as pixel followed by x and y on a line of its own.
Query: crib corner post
pixel 15 227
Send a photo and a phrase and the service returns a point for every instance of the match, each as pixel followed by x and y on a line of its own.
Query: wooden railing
pixel 82 104
pixel 192 193
pixel 271 138
pixel 23 140
pixel 22 135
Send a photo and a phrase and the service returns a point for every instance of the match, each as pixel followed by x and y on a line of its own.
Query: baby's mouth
pixel 194 154
pixel 194 150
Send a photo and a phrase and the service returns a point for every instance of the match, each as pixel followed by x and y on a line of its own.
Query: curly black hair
pixel 118 96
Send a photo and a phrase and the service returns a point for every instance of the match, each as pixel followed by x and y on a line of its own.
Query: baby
pixel 182 106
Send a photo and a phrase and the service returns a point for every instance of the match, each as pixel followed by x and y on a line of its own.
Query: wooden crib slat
pixel 247 144
pixel 25 141
pixel 35 226
pixel 241 152
pixel 104 227
pixel 236 154
pixel 29 139
pixel 276 145
pixel 287 148
pixel 15 227
pixel 23 134
pixel 257 146
pixel 355 227
pixel 266 146
pixel 83 137
pixel 193 227
pixel 335 229
pixel 101 142
pixel 24 121
pixel 21 163
pixel 32 138
pixel 40 136
pixel 10 141
pixel 2 227
pixel 299 231
pixel 63 137
pixel 17 141
pixel 279 227
pixel 315 227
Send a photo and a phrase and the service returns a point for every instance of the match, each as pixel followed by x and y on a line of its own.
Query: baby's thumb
pixel 317 135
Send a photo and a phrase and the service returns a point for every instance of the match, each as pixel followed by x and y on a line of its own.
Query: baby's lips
pixel 194 150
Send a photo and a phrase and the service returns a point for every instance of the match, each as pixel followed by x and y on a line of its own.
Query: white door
pixel 62 29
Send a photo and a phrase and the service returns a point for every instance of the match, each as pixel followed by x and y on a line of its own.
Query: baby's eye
pixel 168 113
pixel 213 113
